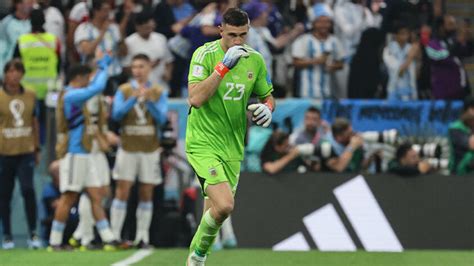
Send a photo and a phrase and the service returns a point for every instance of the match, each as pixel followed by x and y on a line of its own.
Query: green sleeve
pixel 199 69
pixel 263 86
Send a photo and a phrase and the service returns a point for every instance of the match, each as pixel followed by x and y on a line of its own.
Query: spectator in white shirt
pixel 260 37
pixel 317 55
pixel 399 57
pixel 102 35
pixel 154 45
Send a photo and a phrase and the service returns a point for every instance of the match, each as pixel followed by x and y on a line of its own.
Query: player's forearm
pixel 270 102
pixel 97 86
pixel 342 162
pixel 159 109
pixel 120 107
pixel 278 165
pixel 200 93
pixel 304 63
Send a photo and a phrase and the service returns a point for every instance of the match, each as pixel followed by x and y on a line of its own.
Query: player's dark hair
pixel 236 17
pixel 279 137
pixel 339 126
pixel 37 20
pixel 78 70
pixel 313 109
pixel 143 17
pixel 15 64
pixel 96 5
pixel 143 57
pixel 402 151
pixel 399 25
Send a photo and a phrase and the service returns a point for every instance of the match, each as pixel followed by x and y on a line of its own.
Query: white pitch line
pixel 134 258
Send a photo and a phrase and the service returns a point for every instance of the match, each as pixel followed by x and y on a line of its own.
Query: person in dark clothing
pixel 407 162
pixel 166 22
pixel 367 59
pixel 127 12
pixel 278 156
pixel 446 50
pixel 461 140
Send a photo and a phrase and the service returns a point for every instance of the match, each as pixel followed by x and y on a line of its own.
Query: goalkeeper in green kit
pixel 223 75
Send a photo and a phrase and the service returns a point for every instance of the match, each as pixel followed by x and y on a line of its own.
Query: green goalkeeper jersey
pixel 218 127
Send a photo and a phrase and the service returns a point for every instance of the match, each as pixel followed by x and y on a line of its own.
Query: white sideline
pixel 134 258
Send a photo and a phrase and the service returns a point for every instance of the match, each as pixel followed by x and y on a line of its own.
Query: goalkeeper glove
pixel 231 58
pixel 262 115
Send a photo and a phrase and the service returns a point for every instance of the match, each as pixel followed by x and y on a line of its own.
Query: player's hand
pixel 136 93
pixel 356 142
pixel 306 149
pixel 424 167
pixel 261 114
pixel 233 55
pixel 104 62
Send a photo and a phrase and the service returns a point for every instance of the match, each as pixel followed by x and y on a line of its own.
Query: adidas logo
pixel 364 214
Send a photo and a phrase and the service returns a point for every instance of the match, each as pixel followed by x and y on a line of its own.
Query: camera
pixel 428 150
pixel 323 150
pixel 168 141
pixel 438 163
pixel 387 136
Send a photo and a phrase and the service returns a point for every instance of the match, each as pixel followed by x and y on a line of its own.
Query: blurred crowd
pixel 392 49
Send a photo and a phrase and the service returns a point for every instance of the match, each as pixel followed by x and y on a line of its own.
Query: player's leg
pixel 102 224
pixel 118 210
pixel 144 214
pixel 71 175
pixel 125 171
pixel 149 177
pixel 218 180
pixel 7 184
pixel 228 237
pixel 222 201
pixel 66 201
pixel 207 206
pixel 25 172
pixel 85 229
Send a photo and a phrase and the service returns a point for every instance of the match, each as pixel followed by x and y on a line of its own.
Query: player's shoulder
pixel 6 20
pixel 29 93
pixel 303 38
pixel 253 53
pixel 124 87
pixel 205 50
pixel 84 26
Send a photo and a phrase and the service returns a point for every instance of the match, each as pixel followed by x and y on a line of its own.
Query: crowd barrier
pixel 409 118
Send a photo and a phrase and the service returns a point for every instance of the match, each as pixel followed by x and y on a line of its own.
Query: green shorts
pixel 211 171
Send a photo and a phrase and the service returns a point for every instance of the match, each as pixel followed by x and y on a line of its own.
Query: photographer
pixel 278 156
pixel 347 154
pixel 461 139
pixel 314 128
pixel 407 162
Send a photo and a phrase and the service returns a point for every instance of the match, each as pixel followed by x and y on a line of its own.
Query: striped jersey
pixel 315 81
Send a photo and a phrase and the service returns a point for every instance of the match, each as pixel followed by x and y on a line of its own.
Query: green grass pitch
pixel 242 257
